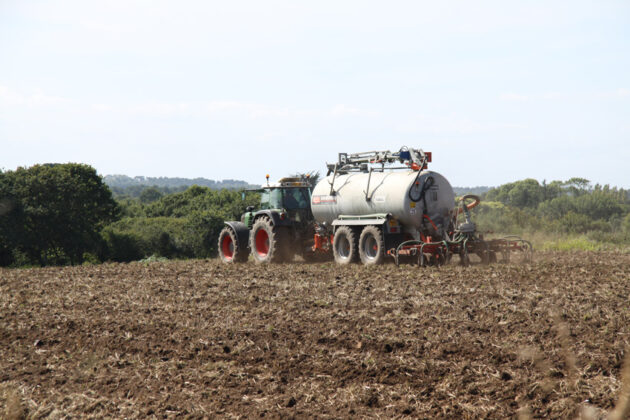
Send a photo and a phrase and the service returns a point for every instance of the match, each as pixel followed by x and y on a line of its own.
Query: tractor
pixel 280 228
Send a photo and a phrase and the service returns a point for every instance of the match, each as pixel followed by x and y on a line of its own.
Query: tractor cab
pixel 286 201
pixel 290 196
pixel 287 198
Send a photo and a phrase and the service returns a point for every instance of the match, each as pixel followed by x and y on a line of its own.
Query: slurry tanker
pixel 369 206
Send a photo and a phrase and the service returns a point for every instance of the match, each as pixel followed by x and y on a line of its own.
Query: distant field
pixel 202 339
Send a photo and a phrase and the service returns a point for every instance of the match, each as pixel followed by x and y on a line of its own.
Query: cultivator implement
pixel 501 250
pixel 464 242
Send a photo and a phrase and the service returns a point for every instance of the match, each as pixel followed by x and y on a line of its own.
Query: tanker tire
pixel 230 251
pixel 268 244
pixel 371 246
pixel 345 246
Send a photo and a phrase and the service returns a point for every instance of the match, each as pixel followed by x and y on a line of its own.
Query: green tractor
pixel 282 227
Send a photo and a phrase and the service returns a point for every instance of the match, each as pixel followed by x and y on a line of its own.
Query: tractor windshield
pixel 285 198
pixel 271 199
pixel 296 198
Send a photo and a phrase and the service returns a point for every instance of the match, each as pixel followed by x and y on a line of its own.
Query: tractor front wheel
pixel 230 250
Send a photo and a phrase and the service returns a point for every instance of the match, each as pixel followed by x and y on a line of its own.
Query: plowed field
pixel 199 339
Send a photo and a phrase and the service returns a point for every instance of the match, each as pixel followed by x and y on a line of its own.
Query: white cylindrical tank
pixel 403 194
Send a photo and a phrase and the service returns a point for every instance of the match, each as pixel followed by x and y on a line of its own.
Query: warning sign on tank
pixel 324 199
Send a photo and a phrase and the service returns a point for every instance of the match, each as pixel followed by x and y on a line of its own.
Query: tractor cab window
pixel 296 198
pixel 271 199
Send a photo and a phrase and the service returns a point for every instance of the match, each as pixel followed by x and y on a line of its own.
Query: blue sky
pixel 498 91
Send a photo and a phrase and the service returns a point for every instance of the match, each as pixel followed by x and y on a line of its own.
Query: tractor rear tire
pixel 345 246
pixel 230 250
pixel 268 243
pixel 371 246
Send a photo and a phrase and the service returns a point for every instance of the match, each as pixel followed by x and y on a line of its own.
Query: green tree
pixel 59 211
pixel 577 186
pixel 526 193
pixel 179 225
pixel 151 194
pixel 599 205
pixel 11 219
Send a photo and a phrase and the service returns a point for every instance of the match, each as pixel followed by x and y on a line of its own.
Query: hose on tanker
pixel 470 206
pixel 425 186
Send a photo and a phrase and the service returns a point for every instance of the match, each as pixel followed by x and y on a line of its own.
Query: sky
pixel 498 91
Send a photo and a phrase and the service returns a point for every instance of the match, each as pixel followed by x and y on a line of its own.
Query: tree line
pixel 54 214
pixel 569 207
pixel 124 181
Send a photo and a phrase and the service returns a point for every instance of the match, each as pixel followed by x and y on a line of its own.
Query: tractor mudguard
pixel 241 231
pixel 274 215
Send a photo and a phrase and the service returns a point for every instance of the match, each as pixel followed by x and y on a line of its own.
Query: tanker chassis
pixel 370 205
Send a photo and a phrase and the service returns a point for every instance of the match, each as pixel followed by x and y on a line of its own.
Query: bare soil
pixel 200 339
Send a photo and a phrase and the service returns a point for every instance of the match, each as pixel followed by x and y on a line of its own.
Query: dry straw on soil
pixel 199 339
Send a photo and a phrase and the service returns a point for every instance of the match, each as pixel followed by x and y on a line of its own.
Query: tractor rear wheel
pixel 345 246
pixel 371 246
pixel 230 250
pixel 269 244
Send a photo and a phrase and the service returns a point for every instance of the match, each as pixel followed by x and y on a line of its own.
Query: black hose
pixel 427 184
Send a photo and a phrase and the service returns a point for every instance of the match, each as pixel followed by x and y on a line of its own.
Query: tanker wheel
pixel 269 244
pixel 230 250
pixel 371 246
pixel 345 246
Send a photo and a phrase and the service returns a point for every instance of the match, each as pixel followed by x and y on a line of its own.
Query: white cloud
pixel 513 97
pixel 341 110
pixel 102 107
pixel 161 109
pixel 228 108
pixel 517 97
pixel 438 124
pixel 253 110
pixel 195 109
pixel 550 96
pixel 35 98
pixel 270 112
